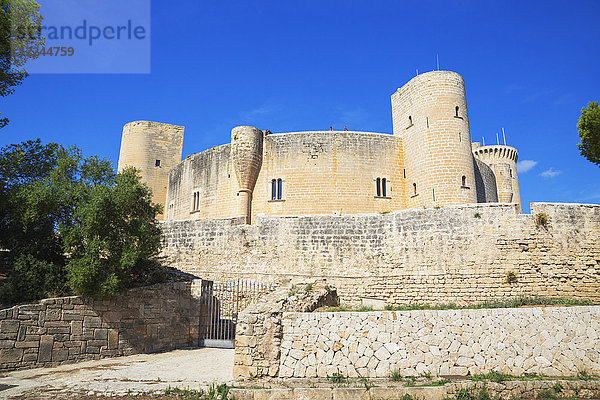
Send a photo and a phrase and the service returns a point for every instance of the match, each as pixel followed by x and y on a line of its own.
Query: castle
pixel 428 162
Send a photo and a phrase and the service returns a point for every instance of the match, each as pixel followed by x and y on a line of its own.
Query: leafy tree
pixel 69 223
pixel 589 132
pixel 20 39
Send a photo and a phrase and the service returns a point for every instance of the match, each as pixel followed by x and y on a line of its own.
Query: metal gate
pixel 220 304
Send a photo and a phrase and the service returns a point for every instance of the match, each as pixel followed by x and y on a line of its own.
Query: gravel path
pixel 192 369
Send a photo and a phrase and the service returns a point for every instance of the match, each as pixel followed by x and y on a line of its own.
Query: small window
pixel 456 112
pixel 157 163
pixel 404 171
pixel 171 211
pixel 459 137
pixel 433 193
pixel 410 121
pixel 415 189
pixel 277 189
pixel 196 201
pixel 381 187
pixel 463 182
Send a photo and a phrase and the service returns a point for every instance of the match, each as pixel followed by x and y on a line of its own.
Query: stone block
pixel 113 339
pixel 11 356
pixel 60 355
pixel 273 394
pixel 313 394
pixel 350 393
pixel 241 394
pixel 9 326
pixel 101 334
pixel 92 322
pixel 45 352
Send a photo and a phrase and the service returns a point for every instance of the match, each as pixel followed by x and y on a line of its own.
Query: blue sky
pixel 529 66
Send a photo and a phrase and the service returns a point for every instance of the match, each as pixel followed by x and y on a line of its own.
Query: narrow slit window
pixel 196 201
pixel 456 111
pixel 378 188
pixel 459 137
pixel 464 181
pixel 433 192
pixel 273 189
pixel 157 163
pixel 383 188
pixel 410 121
pixel 415 188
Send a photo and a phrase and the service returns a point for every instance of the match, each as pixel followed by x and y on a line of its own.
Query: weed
pixel 477 215
pixel 395 375
pixel 511 277
pixel 410 381
pixel 426 375
pixel 542 220
pixel 546 394
pixel 557 388
pixel 337 378
pixel 365 309
pixel 493 376
pixel 308 287
pixel 440 382
pixel 366 383
pixel 293 291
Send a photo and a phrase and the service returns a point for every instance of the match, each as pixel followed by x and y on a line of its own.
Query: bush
pixel 542 220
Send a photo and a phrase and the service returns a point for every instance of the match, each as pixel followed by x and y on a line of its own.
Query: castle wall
pixel 321 172
pixel 145 144
pixel 485 182
pixel 457 253
pixel 430 114
pixel 209 173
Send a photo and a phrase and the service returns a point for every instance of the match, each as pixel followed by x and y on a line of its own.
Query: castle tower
pixel 430 115
pixel 503 161
pixel 153 149
pixel 246 154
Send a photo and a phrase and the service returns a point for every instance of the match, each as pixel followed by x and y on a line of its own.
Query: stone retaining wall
pixel 70 329
pixel 457 253
pixel 548 340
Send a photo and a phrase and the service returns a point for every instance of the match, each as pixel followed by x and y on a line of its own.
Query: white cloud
pixel 550 173
pixel 525 165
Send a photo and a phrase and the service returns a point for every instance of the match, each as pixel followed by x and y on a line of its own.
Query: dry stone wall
pixel 457 253
pixel 70 329
pixel 553 341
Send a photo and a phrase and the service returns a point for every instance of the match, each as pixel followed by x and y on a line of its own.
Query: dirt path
pixel 191 369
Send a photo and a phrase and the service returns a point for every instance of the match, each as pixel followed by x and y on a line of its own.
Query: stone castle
pixel 429 161
pixel 422 215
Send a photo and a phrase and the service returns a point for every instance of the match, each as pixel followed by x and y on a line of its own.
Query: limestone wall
pixel 458 253
pixel 66 330
pixel 322 173
pixel 547 340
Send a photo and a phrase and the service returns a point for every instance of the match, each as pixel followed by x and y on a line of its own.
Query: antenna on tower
pixel 483 140
pixel 417 71
pixel 437 58
pixel 497 140
pixel 504 136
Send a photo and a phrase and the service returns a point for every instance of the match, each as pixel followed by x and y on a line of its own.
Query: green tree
pixel 70 224
pixel 20 40
pixel 589 132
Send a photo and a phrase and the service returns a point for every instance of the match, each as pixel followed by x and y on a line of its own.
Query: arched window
pixel 196 201
pixel 279 189
pixel 456 111
pixel 464 181
pixel 273 189
pixel 383 191
pixel 415 188
pixel 409 120
pixel 378 187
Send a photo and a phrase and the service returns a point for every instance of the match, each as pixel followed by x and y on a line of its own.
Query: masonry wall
pixel 70 329
pixel 457 253
pixel 553 341
pixel 322 173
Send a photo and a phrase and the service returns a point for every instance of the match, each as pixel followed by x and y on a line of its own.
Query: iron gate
pixel 220 304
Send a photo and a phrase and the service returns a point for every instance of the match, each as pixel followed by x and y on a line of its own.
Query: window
pixel 196 201
pixel 381 187
pixel 415 189
pixel 459 137
pixel 277 189
pixel 171 211
pixel 456 111
pixel 157 163
pixel 463 182
pixel 410 121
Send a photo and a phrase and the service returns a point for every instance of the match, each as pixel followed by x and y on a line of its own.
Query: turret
pixel 503 161
pixel 246 154
pixel 430 115
pixel 153 149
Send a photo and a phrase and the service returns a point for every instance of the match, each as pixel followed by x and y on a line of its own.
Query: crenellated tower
pixel 503 161
pixel 430 115
pixel 153 148
pixel 246 154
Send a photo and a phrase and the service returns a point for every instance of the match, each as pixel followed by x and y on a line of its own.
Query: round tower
pixel 503 161
pixel 154 149
pixel 430 115
pixel 246 154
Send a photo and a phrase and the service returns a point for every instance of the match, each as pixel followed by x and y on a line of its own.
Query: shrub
pixel 511 277
pixel 542 220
